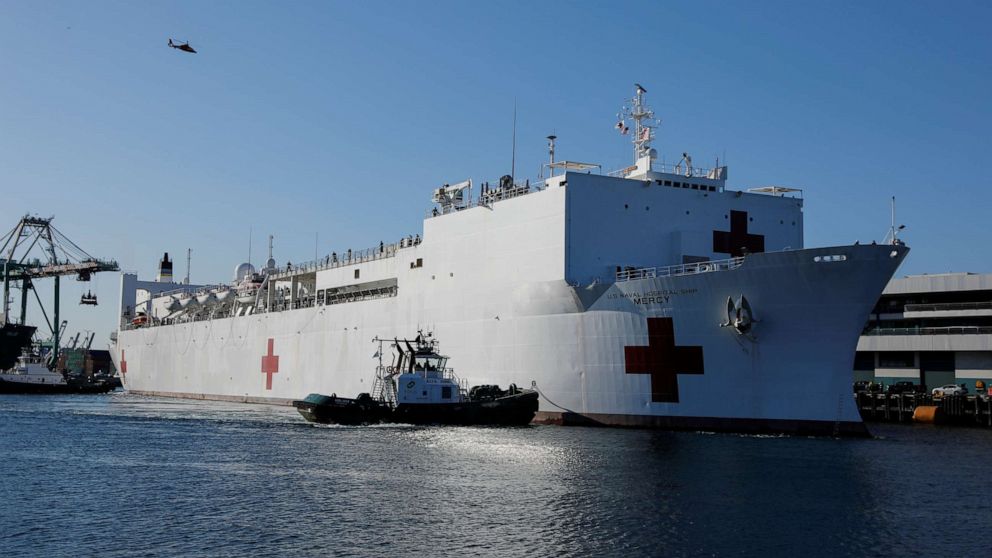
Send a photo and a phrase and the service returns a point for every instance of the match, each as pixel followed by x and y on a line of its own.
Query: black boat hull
pixel 13 339
pixel 511 410
pixel 331 409
pixel 8 387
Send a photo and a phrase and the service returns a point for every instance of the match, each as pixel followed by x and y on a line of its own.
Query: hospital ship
pixel 650 296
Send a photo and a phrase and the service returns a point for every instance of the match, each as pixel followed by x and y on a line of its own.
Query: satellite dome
pixel 242 271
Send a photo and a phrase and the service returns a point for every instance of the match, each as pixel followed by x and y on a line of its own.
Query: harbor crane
pixel 35 250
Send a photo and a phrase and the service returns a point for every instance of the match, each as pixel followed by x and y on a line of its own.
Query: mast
pixel 642 117
pixel 513 148
pixel 551 152
pixel 892 229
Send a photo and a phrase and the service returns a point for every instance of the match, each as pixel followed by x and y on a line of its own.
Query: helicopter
pixel 183 47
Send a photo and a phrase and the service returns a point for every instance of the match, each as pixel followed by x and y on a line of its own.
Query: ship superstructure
pixel 612 293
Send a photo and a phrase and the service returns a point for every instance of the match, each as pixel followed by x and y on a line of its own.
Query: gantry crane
pixel 35 250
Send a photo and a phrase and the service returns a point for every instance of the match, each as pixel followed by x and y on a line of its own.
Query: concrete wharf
pixel 965 410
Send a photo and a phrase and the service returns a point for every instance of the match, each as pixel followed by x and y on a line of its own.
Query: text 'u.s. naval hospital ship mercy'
pixel 651 296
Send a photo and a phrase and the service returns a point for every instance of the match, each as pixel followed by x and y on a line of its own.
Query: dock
pixel 964 410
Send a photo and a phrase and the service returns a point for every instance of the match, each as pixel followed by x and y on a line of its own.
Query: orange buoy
pixel 928 414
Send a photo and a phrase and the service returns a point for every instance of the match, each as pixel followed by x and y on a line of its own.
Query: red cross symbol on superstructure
pixel 738 239
pixel 123 365
pixel 270 366
pixel 663 360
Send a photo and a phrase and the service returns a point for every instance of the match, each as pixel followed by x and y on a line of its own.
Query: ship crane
pixel 34 249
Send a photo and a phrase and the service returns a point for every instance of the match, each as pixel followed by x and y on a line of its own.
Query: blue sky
pixel 336 119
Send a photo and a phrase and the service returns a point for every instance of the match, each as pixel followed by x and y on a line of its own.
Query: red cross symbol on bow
pixel 663 360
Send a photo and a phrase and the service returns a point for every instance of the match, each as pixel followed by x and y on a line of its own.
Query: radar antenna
pixel 636 111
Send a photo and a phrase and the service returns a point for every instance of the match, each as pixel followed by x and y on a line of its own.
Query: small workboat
pixel 419 388
pixel 32 374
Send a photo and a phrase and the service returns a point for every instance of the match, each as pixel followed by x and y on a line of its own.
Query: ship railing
pixel 489 196
pixel 279 305
pixel 946 306
pixel 348 258
pixel 282 303
pixel 449 374
pixel 951 330
pixel 632 273
pixel 679 170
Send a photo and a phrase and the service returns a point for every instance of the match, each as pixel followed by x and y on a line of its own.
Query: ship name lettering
pixel 663 296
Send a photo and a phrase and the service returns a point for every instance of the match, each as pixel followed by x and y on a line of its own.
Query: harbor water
pixel 122 475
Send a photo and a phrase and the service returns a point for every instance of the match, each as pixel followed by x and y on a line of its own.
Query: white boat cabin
pixel 427 380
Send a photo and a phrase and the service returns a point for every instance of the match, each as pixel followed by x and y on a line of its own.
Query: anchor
pixel 740 317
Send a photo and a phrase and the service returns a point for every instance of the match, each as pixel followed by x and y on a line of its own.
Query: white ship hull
pixel 793 373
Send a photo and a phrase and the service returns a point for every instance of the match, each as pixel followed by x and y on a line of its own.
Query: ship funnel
pixel 164 270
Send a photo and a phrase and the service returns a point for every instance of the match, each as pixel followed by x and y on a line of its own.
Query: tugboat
pixel 31 374
pixel 419 388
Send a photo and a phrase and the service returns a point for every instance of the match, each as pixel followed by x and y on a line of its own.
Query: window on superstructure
pixel 896 359
pixel 864 360
pixel 356 274
pixel 446 392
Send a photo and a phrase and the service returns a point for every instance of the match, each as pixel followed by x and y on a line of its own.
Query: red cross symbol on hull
pixel 738 239
pixel 270 365
pixel 123 365
pixel 663 360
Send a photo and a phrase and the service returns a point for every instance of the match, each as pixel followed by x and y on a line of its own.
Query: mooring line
pixel 533 384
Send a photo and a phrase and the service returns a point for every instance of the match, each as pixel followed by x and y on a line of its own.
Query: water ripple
pixel 124 476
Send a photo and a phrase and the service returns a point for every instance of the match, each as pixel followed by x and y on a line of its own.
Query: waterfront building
pixel 930 329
